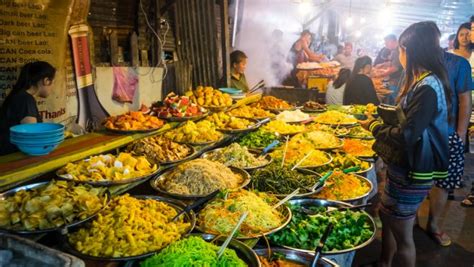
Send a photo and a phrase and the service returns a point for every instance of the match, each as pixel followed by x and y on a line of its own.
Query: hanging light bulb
pixel 363 20
pixel 349 21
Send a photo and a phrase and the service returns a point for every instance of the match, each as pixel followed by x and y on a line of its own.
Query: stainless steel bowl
pixel 297 256
pixel 250 128
pixel 255 152
pixel 360 199
pixel 284 210
pixel 177 205
pixel 155 184
pixel 244 252
pixel 110 182
pixel 308 202
pixel 62 228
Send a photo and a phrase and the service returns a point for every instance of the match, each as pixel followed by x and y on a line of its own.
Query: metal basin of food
pixel 155 184
pixel 297 256
pixel 255 152
pixel 307 202
pixel 189 217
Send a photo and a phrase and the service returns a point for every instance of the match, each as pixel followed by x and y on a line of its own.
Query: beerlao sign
pixel 33 30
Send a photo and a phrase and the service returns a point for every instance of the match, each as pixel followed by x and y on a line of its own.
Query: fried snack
pixel 133 121
pixel 194 133
pixel 108 167
pixel 54 205
pixel 210 97
pixel 250 112
pixel 159 149
pixel 271 102
pixel 224 121
pixel 130 227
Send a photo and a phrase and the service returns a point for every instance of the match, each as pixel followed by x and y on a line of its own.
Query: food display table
pixel 18 168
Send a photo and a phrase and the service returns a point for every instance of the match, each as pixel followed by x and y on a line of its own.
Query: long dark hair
pixel 359 64
pixel 342 77
pixel 467 26
pixel 30 74
pixel 421 43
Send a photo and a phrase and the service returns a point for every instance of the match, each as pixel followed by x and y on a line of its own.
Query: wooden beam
pixel 225 40
pixel 167 6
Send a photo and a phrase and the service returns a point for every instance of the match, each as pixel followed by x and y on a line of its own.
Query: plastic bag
pixel 125 84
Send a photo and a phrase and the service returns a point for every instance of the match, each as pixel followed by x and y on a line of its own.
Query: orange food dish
pixel 271 102
pixel 133 121
pixel 359 148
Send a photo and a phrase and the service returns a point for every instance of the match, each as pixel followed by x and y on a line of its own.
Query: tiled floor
pixel 458 223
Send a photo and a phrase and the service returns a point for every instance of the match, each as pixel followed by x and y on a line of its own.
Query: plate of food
pixel 50 206
pixel 305 156
pixel 221 215
pixel 109 169
pixel 282 181
pixel 161 150
pixel 211 99
pixel 249 112
pixel 131 227
pixel 358 132
pixel 342 161
pixel 312 106
pixel 198 178
pixel 293 116
pixel 195 133
pixel 279 257
pixel 336 118
pixel 133 122
pixel 178 108
pixel 317 140
pixel 337 131
pixel 359 148
pixel 344 237
pixel 283 128
pixel 273 104
pixel 347 187
pixel 257 139
pixel 232 125
pixel 238 156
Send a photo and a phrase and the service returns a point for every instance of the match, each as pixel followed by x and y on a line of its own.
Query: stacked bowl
pixel 37 139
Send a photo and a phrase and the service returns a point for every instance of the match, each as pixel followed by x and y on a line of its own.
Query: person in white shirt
pixel 335 91
pixel 346 58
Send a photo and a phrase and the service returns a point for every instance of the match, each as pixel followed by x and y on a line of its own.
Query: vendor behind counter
pixel 20 107
pixel 238 62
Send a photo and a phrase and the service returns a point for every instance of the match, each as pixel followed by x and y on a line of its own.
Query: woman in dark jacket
pixel 360 89
pixel 416 148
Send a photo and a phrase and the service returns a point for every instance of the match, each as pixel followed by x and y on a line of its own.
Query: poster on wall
pixel 32 30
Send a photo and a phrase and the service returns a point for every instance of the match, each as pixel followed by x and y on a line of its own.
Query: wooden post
pixel 135 62
pixel 225 38
pixel 114 48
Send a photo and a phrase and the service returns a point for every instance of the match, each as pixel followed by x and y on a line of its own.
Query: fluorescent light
pixel 358 34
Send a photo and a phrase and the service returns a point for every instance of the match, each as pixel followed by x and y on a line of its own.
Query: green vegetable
pixel 342 162
pixel 193 251
pixel 277 180
pixel 351 228
pixel 257 139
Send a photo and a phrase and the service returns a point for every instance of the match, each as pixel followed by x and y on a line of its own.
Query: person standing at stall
pixel 390 69
pixel 360 89
pixel 416 148
pixel 238 64
pixel 19 107
pixel 300 51
pixel 459 75
pixel 346 58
